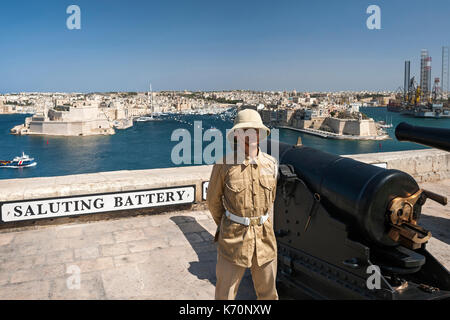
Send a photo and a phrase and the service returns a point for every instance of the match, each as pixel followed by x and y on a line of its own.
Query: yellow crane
pixel 413 93
pixel 417 98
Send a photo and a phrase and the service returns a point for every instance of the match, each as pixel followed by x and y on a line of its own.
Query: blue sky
pixel 216 45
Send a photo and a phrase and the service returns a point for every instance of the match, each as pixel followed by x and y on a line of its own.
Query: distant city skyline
pixel 217 46
pixel 185 90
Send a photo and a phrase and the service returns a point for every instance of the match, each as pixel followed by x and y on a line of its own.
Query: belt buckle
pixel 247 221
pixel 254 222
pixel 263 219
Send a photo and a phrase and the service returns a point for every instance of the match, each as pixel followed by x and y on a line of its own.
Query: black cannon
pixel 349 230
pixel 429 136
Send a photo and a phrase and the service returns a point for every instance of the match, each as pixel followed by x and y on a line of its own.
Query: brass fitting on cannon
pixel 403 218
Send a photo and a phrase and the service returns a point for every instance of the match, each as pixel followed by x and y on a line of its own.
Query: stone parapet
pixel 103 182
pixel 424 165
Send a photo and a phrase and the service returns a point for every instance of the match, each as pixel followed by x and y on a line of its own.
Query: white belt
pixel 245 220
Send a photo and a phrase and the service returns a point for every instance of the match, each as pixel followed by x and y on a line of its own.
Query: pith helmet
pixel 248 118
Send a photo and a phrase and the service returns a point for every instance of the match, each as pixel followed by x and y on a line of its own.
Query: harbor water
pixel 148 145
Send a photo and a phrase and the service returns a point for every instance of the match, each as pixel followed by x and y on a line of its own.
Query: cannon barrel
pixel 358 193
pixel 432 137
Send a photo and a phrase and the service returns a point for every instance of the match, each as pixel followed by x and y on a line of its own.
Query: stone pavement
pixel 165 256
pixel 168 256
pixel 436 218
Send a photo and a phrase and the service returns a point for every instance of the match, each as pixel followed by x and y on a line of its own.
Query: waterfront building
pixel 5 109
pixel 75 120
pixel 317 121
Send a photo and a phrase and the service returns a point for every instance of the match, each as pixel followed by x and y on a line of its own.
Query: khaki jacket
pixel 245 189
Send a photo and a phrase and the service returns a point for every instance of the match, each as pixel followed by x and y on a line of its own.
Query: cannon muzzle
pixel 428 136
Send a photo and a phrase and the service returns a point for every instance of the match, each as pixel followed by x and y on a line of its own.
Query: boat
pixel 23 161
pixel 385 124
pixel 122 123
pixel 395 106
pixel 435 111
pixel 151 108
pixel 145 119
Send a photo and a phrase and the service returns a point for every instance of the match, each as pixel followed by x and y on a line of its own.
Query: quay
pixel 164 252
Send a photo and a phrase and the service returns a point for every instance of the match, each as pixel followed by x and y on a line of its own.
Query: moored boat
pixel 146 119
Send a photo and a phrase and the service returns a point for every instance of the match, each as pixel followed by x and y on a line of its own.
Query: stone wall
pixel 317 123
pixel 423 165
pixel 72 128
pixel 352 127
pixel 103 182
pixel 339 126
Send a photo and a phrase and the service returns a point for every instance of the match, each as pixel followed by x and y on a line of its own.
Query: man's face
pixel 248 137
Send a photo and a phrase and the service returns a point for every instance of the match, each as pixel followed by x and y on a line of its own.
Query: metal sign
pixel 96 203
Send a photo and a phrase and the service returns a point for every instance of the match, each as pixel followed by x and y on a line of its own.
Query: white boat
pixel 385 124
pixel 152 110
pixel 146 119
pixel 23 161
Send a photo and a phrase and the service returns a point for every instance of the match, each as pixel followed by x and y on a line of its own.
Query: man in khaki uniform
pixel 240 194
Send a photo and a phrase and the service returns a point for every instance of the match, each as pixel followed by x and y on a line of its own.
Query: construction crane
pixel 413 93
pixel 418 93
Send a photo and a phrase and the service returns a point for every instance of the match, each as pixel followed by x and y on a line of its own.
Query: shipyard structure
pixel 424 98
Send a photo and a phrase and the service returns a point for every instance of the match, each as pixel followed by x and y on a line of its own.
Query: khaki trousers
pixel 229 277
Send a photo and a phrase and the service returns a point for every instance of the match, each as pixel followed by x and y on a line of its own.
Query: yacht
pixel 145 119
